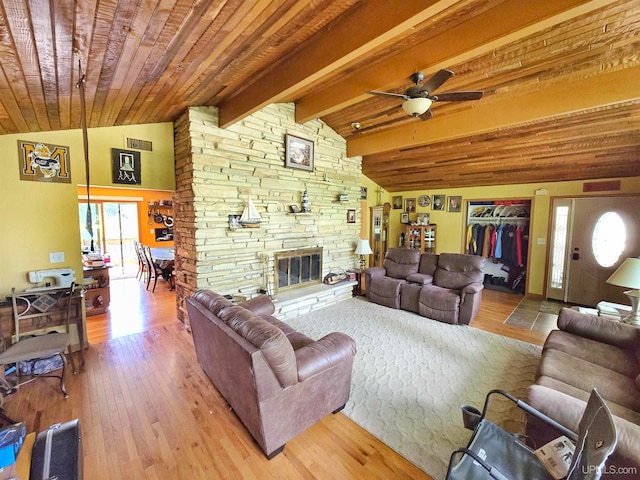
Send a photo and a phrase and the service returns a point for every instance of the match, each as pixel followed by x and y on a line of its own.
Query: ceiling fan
pixel 418 98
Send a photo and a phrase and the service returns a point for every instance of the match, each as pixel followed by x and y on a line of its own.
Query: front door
pixel 600 234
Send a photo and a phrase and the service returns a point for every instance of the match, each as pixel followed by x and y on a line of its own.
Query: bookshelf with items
pixel 420 237
pixel 97 293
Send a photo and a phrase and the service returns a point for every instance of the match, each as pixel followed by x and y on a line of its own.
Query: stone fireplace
pixel 219 169
pixel 297 268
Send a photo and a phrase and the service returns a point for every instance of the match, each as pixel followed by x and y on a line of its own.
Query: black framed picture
pixel 125 167
pixel 363 193
pixel 397 202
pixel 351 216
pixel 404 218
pixel 298 153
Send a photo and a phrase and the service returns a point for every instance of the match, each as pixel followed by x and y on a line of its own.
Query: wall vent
pixel 139 144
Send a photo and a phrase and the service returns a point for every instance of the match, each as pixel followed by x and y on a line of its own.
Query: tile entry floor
pixel 536 315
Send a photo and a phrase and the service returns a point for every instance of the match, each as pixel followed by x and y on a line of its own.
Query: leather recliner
pixel 383 284
pixel 456 291
pixel 446 287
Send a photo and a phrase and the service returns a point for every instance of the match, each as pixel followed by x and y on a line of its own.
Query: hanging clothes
pixel 470 246
pixel 498 250
pixel 486 245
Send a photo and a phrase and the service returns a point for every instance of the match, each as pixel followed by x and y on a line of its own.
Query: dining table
pixel 164 257
pixel 163 254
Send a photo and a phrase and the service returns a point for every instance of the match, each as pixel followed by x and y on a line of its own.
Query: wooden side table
pixel 359 289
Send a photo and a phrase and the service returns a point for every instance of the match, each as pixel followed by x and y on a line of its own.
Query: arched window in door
pixel 609 238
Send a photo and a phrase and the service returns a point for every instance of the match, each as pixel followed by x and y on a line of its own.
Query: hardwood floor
pixel 147 411
pixel 495 309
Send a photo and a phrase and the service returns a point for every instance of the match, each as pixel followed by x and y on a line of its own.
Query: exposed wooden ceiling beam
pixel 329 50
pixel 597 91
pixel 477 36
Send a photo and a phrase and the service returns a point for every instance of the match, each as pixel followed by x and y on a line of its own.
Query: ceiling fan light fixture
pixel 416 106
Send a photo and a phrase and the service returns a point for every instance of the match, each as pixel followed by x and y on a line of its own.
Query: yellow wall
pixel 39 217
pixel 451 226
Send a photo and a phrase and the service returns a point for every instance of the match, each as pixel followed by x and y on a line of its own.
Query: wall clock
pixel 424 200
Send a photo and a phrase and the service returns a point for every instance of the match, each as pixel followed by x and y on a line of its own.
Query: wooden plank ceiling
pixel 561 78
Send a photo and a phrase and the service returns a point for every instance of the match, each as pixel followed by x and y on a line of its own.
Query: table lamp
pixel 363 249
pixel 628 276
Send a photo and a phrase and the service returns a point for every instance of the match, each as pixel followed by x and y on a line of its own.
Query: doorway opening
pixel 590 238
pixel 115 231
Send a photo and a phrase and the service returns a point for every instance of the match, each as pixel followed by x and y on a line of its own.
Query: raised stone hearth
pixel 295 302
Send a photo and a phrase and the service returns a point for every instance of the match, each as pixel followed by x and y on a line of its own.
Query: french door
pixel 591 237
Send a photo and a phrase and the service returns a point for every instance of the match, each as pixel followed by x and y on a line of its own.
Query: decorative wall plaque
pixel 125 167
pixel 44 162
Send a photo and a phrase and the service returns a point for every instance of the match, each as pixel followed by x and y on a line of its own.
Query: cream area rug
pixel 412 374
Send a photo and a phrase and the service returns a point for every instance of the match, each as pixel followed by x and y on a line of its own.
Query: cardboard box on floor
pixel 22 467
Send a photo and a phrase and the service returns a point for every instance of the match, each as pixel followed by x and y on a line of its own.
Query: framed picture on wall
pixel 455 204
pixel 404 218
pixel 298 153
pixel 397 202
pixel 438 202
pixel 351 216
pixel 125 167
pixel 410 205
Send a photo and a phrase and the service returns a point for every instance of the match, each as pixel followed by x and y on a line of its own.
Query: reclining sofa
pixel 278 381
pixel 588 351
pixel 446 287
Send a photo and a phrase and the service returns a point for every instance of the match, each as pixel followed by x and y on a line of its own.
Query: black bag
pixel 57 453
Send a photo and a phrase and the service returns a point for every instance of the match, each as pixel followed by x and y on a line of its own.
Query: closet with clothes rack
pixel 499 231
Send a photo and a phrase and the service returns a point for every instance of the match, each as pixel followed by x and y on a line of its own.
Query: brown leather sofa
pixel 446 287
pixel 278 381
pixel 588 351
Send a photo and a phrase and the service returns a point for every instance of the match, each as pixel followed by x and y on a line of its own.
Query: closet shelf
pixel 496 219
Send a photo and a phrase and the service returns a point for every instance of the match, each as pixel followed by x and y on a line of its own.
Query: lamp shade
pixel 416 106
pixel 627 275
pixel 363 247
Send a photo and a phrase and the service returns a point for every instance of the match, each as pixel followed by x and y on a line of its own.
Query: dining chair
pixel 154 271
pixel 38 347
pixel 141 263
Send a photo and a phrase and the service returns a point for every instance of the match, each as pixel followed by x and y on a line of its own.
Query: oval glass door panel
pixel 609 237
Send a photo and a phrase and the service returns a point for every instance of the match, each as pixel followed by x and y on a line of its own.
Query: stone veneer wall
pixel 217 170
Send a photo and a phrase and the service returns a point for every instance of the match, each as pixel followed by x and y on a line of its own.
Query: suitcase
pixel 57 453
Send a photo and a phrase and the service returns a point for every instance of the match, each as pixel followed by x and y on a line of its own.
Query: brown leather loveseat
pixel 445 287
pixel 588 351
pixel 278 381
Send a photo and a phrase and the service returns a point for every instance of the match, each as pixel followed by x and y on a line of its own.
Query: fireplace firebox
pixel 298 268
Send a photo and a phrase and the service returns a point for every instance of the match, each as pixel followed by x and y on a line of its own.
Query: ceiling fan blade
pixel 387 94
pixel 436 80
pixel 456 96
pixel 426 115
